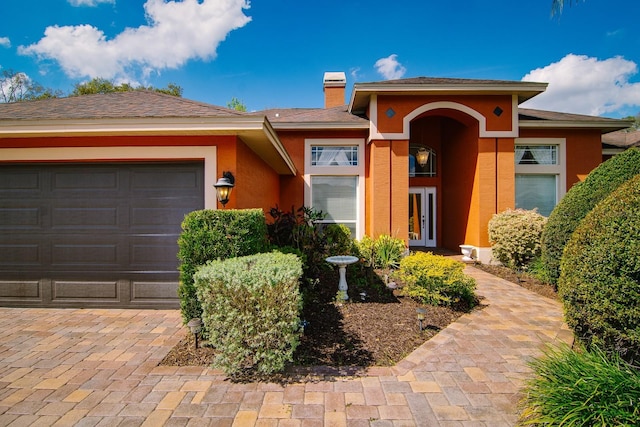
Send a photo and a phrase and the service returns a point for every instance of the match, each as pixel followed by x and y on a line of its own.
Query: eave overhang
pixel 605 126
pixel 362 92
pixel 255 131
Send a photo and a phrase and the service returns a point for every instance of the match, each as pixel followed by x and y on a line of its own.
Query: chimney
pixel 334 84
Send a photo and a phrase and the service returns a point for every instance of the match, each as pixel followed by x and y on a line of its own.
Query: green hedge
pixel 515 236
pixel 436 280
pixel 215 234
pixel 251 309
pixel 600 280
pixel 577 203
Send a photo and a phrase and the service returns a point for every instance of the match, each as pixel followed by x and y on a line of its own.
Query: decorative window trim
pixel 559 169
pixel 357 170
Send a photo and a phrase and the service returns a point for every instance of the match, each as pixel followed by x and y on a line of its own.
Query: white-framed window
pixel 540 166
pixel 334 181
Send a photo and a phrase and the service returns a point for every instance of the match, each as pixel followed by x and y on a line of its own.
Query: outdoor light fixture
pixel 421 316
pixel 224 186
pixel 196 326
pixel 422 156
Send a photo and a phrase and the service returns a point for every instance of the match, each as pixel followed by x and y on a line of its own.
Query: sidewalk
pixel 95 367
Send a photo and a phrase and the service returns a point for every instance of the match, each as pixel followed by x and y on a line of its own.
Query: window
pixel 322 155
pixel 334 175
pixel 540 173
pixel 417 155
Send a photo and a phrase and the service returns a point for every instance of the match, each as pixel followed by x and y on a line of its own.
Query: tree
pixel 101 85
pixel 636 122
pixel 17 86
pixel 236 104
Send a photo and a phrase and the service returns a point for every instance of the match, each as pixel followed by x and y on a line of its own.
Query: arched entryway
pixel 441 190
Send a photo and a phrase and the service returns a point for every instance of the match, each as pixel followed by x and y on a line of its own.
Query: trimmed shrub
pixel 215 234
pixel 600 280
pixel 581 389
pixel 436 280
pixel 515 236
pixel 384 252
pixel 251 309
pixel 338 240
pixel 579 200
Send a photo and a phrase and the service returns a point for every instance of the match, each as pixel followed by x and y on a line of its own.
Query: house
pixel 93 188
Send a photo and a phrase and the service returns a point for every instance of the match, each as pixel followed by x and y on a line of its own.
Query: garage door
pixel 94 235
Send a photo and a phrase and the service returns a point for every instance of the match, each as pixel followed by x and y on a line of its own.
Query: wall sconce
pixel 422 156
pixel 224 186
pixel 421 316
pixel 196 326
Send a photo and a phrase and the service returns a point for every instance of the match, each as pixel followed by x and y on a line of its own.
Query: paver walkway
pixel 99 368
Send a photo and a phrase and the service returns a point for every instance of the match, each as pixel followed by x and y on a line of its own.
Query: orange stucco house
pixel 93 188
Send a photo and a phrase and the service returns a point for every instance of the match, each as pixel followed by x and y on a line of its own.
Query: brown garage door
pixel 94 235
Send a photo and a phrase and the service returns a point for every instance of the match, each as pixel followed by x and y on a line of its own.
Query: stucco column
pixel 388 189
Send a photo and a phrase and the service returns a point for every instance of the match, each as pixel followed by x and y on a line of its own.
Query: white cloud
pixel 90 3
pixel 5 42
pixel 390 68
pixel 177 31
pixel 585 85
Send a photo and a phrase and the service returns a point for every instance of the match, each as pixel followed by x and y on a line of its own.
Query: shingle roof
pixel 622 138
pixel 336 115
pixel 133 104
pixel 530 114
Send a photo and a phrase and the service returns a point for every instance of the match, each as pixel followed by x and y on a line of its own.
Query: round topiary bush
pixel 515 236
pixel 577 203
pixel 600 280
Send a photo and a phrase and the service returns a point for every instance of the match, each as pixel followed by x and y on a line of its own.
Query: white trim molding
pixel 124 154
pixel 443 105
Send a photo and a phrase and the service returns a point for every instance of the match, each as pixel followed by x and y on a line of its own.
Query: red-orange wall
pixel 485 105
pixel 584 149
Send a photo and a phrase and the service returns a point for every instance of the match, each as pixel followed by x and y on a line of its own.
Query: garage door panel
pixel 23 180
pixel 22 254
pixel 95 255
pixel 84 290
pixel 154 253
pixel 149 180
pixel 23 289
pixel 85 217
pixel 20 217
pixel 85 179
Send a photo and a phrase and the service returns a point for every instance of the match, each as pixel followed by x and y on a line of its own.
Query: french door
pixel 422 216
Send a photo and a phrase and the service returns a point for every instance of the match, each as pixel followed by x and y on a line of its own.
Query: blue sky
pixel 273 53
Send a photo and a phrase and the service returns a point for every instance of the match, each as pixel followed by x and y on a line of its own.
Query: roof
pixel 141 112
pixel 437 85
pixel 132 104
pixel 623 138
pixel 529 118
pixel 315 118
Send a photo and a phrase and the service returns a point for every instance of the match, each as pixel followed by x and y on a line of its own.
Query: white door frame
pixel 425 197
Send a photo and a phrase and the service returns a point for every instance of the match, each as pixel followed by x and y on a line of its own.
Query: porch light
pixel 422 156
pixel 421 316
pixel 224 187
pixel 196 326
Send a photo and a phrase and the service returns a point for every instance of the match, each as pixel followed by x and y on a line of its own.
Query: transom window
pixel 536 154
pixel 334 155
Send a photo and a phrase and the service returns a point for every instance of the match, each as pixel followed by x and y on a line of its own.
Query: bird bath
pixel 342 261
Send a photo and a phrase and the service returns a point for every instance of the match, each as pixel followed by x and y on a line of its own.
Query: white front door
pixel 422 216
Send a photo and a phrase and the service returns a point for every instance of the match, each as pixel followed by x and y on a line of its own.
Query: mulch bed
pixel 378 331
